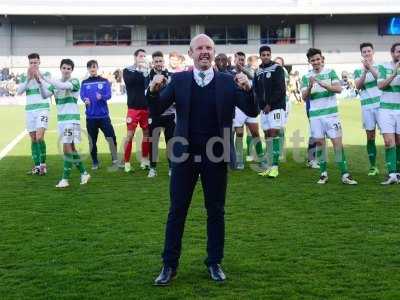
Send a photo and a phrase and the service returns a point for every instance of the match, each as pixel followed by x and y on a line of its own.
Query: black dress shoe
pixel 216 272
pixel 166 275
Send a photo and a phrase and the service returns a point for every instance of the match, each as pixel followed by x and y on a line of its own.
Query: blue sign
pixel 394 26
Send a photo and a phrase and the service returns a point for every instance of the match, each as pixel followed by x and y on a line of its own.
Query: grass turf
pixel 285 239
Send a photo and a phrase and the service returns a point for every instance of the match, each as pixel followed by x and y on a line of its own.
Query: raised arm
pixel 359 78
pixel 383 80
pixel 306 87
pixel 45 88
pixel 22 87
pixel 82 92
pixel 159 98
pixel 107 91
pixel 244 96
pixel 58 84
pixel 335 86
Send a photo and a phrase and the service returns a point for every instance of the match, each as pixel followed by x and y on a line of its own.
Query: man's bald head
pixel 202 51
pixel 201 36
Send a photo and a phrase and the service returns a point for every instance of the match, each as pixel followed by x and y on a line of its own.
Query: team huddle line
pixel 378 86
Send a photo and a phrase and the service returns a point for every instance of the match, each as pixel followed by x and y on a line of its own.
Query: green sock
pixel 239 149
pixel 78 162
pixel 268 150
pixel 282 140
pixel 259 149
pixel 371 150
pixel 249 144
pixel 42 146
pixel 35 148
pixel 390 156
pixel 398 157
pixel 276 150
pixel 341 161
pixel 321 158
pixel 68 158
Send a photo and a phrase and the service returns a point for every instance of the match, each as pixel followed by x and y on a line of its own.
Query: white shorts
pixel 241 118
pixel 69 133
pixel 370 118
pixel 37 119
pixel 389 121
pixel 275 119
pixel 326 127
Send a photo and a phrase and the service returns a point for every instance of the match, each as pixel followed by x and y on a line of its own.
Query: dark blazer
pixel 228 95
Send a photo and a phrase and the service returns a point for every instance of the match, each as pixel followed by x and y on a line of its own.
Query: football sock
pixel 341 161
pixel 390 157
pixel 371 150
pixel 35 149
pixel 68 158
pixel 321 158
pixel 239 148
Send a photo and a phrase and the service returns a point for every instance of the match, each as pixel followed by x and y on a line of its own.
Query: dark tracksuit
pixel 166 121
pixel 97 114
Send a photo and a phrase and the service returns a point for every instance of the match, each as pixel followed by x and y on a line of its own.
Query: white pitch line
pixel 12 144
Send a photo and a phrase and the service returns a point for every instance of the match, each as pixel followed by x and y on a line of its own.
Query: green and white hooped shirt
pixel 67 102
pixel 370 94
pixel 323 103
pixel 390 98
pixel 34 99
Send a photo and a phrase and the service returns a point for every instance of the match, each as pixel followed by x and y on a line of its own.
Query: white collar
pixel 207 79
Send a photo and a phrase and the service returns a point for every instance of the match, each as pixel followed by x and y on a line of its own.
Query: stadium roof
pixel 197 7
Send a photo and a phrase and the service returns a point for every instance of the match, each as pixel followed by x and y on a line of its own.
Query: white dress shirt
pixel 208 76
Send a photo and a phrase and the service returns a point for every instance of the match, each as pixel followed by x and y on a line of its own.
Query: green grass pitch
pixel 286 238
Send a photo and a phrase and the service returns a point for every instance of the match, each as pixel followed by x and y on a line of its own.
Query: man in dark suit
pixel 205 101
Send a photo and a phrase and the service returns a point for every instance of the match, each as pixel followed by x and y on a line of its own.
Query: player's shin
pixel 35 148
pixel 68 159
pixel 276 150
pixel 78 162
pixel 239 148
pixel 321 157
pixel 249 143
pixel 371 150
pixel 341 161
pixel 42 147
pixel 390 157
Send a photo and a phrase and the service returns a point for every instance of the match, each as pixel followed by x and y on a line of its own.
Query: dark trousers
pixel 104 124
pixel 183 180
pixel 167 123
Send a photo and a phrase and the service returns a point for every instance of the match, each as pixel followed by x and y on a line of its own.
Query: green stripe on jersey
pixel 65 100
pixel 319 95
pixel 37 106
pixel 68 117
pixel 30 92
pixel 385 105
pixel 368 85
pixel 369 101
pixel 392 89
pixel 323 112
